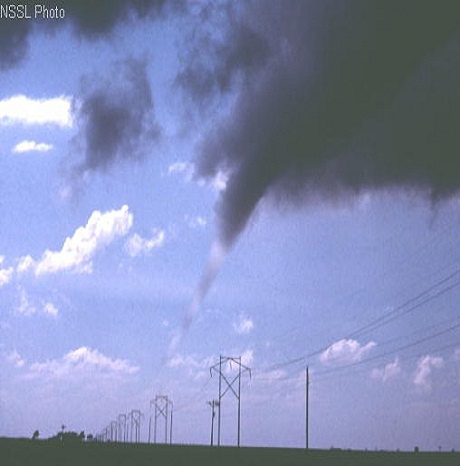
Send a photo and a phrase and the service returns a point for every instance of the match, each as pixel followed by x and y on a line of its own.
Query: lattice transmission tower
pixel 229 383
pixel 135 420
pixel 122 428
pixel 164 411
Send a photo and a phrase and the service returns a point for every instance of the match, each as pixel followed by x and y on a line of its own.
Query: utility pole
pixel 307 384
pixel 150 424
pixel 171 423
pixel 213 404
pixel 229 387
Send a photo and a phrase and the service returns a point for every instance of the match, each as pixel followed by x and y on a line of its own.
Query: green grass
pixel 15 452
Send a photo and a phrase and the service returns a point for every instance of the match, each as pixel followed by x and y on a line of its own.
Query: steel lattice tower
pixel 135 416
pixel 229 386
pixel 164 409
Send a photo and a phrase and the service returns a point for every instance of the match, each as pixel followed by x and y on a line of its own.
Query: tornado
pixel 328 100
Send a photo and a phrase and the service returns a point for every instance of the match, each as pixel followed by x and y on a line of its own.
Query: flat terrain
pixel 41 452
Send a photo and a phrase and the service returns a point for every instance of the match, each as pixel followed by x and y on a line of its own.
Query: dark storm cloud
pixel 89 19
pixel 98 18
pixel 222 46
pixel 13 42
pixel 115 117
pixel 346 96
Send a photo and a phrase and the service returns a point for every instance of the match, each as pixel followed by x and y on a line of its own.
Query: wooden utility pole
pixel 307 383
pixel 213 405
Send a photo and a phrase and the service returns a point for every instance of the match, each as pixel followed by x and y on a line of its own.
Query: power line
pixel 400 348
pixel 334 375
pixel 391 352
pixel 385 354
pixel 383 319
pixel 399 310
pixel 408 257
pixel 197 399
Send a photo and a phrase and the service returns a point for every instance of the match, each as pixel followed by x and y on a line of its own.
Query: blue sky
pixel 196 180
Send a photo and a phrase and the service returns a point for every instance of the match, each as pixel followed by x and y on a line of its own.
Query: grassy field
pixel 26 452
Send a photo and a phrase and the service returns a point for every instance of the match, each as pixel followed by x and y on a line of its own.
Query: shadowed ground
pixel 26 452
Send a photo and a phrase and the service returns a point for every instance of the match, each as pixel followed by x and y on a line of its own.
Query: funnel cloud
pixel 331 99
pixel 215 260
pixel 343 98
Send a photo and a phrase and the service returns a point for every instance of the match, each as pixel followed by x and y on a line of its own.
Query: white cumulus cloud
pixel 345 351
pixel 231 366
pixel 187 171
pixel 25 307
pixel 247 358
pixel 5 273
pixel 197 368
pixel 80 362
pixel 78 250
pixel 190 361
pixel 15 359
pixel 136 245
pixel 219 182
pixel 425 366
pixel 25 263
pixel 28 307
pixel 20 109
pixel 388 372
pixel 50 309
pixel 31 146
pixel 243 325
pixel 196 222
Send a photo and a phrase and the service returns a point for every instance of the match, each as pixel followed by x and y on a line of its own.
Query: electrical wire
pixel 388 353
pixel 400 310
pixel 428 337
pixel 384 319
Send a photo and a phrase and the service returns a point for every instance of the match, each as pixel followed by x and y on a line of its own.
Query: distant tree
pixel 90 438
pixel 69 436
pixel 35 435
